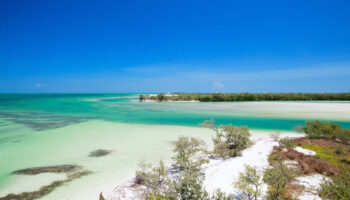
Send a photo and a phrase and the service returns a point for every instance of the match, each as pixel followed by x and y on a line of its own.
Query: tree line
pixel 219 97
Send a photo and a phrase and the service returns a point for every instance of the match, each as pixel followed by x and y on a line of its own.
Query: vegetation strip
pixel 52 169
pixel 217 97
pixel 331 144
pixel 73 172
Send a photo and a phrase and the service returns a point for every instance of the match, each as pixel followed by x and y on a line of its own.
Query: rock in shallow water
pixel 99 153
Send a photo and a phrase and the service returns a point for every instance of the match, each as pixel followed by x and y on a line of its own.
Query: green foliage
pixel 229 140
pixel 218 97
pixel 161 97
pixel 220 145
pixel 278 177
pixel 343 135
pixel 272 157
pixel 220 195
pixel 160 197
pixel 187 185
pixel 329 155
pixel 249 183
pixel 286 142
pixel 186 149
pixel 338 188
pixel 340 149
pixel 236 139
pixel 153 177
pixel 321 130
pixel 190 186
pixel 142 97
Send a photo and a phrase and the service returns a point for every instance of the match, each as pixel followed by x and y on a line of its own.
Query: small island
pixel 223 97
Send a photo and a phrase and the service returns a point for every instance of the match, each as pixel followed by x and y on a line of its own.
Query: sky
pixel 70 46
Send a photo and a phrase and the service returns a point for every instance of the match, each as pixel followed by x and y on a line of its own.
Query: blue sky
pixel 174 46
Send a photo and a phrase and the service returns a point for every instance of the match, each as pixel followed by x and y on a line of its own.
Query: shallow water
pixel 53 129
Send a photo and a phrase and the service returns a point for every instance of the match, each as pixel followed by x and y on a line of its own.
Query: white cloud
pixel 218 85
pixel 38 85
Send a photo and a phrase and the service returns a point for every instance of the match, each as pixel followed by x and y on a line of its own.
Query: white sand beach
pixel 220 174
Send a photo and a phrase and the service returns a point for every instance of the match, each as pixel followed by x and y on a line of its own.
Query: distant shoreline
pixel 227 97
pixel 180 101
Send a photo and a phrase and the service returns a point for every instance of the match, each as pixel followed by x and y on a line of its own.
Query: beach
pixel 219 173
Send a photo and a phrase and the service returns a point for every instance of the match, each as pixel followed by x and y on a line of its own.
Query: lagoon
pixel 55 129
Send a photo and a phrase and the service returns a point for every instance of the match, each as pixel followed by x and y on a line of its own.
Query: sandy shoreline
pixel 325 110
pixel 154 101
pixel 222 173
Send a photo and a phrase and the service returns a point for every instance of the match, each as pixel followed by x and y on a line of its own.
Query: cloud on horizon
pixel 218 85
pixel 38 85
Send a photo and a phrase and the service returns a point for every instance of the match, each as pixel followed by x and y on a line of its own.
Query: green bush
pixel 220 195
pixel 321 130
pixel 278 177
pixel 186 148
pixel 236 139
pixel 159 197
pixel 153 177
pixel 161 97
pixel 343 135
pixel 249 183
pixel 340 149
pixel 190 186
pixel 142 97
pixel 338 188
pixel 229 140
pixel 286 142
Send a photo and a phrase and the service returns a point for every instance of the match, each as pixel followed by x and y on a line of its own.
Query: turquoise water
pixel 50 129
pixel 47 111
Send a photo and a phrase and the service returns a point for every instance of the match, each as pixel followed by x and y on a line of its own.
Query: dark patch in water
pixel 73 172
pixel 42 121
pixel 4 123
pixel 10 139
pixel 52 169
pixel 151 110
pixel 99 153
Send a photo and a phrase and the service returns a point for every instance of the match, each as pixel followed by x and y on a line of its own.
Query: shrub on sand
pixel 338 188
pixel 286 142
